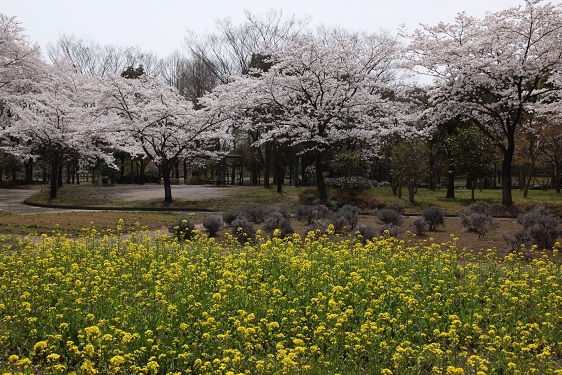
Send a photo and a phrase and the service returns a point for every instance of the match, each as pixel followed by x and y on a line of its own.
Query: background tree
pixel 493 70
pixel 228 53
pixel 409 163
pixel 530 144
pixel 553 151
pixel 472 154
pixel 92 59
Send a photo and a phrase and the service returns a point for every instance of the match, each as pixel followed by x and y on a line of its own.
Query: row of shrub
pixel 539 226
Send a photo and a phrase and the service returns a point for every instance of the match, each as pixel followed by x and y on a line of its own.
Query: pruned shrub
pixel 351 215
pixel 276 220
pixel 212 224
pixel 183 229
pixel 260 213
pixel 339 222
pixel 521 237
pixel 318 227
pixel 478 218
pixel 243 229
pixel 285 227
pixel 434 217
pixel 390 230
pixel 540 228
pixel 365 233
pixel 309 213
pixel 388 216
pixel 419 226
pixel 243 210
pixel 478 222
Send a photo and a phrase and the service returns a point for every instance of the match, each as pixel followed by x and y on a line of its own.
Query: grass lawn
pixel 426 197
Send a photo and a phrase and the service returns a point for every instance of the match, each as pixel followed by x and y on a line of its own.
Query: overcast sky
pixel 160 25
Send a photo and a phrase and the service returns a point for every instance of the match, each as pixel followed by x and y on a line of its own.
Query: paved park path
pixel 11 200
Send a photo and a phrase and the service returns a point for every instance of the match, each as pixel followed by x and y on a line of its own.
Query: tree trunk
pixel 267 164
pixel 411 191
pixel 472 188
pixel 29 171
pixel 320 183
pixel 68 173
pixel 54 180
pixel 522 178
pixel 507 199
pixel 132 170
pixel 529 179
pixel 450 184
pixel 142 169
pixel 296 181
pixel 280 177
pixel 60 176
pixel 557 178
pixel 165 170
pixel 121 167
pixel 255 172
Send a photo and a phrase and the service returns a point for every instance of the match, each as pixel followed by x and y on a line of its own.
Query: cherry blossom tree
pixel 321 92
pixel 19 59
pixel 20 63
pixel 493 70
pixel 149 117
pixel 53 121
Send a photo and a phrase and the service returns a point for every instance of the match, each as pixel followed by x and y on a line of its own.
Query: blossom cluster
pixel 303 304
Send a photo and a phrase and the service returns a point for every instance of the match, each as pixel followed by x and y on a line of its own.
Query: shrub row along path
pixel 12 200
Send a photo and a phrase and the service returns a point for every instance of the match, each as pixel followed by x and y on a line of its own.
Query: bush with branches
pixel 434 217
pixel 243 229
pixel 388 216
pixel 390 230
pixel 243 210
pixel 351 215
pixel 276 220
pixel 539 227
pixel 309 213
pixel 212 224
pixel 478 218
pixel 419 226
pixel 183 229
pixel 365 233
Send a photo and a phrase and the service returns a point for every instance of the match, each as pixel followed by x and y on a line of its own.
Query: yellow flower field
pixel 101 304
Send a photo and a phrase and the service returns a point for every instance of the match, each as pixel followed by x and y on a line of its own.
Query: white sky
pixel 160 25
